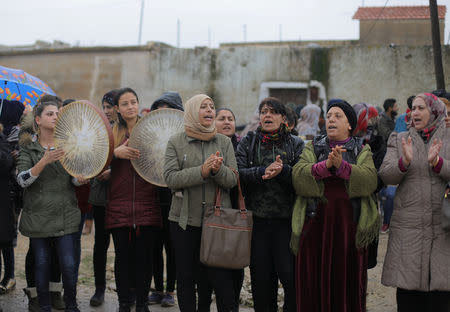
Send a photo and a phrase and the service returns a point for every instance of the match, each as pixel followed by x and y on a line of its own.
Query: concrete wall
pixel 374 74
pixel 233 76
pixel 401 32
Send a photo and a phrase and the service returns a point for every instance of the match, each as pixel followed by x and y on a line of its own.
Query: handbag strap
pixel 241 202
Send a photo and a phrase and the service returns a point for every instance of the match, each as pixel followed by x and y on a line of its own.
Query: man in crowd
pixel 387 121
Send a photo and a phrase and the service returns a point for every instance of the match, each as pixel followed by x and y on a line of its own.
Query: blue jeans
pixel 65 248
pixel 387 202
pixel 78 241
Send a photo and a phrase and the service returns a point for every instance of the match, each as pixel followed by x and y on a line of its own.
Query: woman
pixel 226 125
pixel 98 200
pixel 335 217
pixel 308 124
pixel 26 133
pixel 7 220
pixel 10 115
pixel 50 216
pixel 197 161
pixel 417 257
pixel 366 129
pixel 7 228
pixel 166 100
pixel 133 214
pixel 265 159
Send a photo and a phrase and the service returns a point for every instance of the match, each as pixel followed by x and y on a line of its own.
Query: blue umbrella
pixel 17 85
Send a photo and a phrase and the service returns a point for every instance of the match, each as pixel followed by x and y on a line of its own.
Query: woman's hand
pixel 273 169
pixel 50 156
pixel 218 161
pixel 407 151
pixel 82 180
pixel 125 152
pixel 335 156
pixel 433 152
pixel 213 162
pixel 105 175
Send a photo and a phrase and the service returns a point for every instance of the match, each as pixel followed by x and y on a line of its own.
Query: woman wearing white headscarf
pixel 198 160
pixel 308 124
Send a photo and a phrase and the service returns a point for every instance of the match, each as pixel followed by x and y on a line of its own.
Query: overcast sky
pixel 203 22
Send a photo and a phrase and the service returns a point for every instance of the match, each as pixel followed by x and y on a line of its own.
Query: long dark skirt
pixel 331 273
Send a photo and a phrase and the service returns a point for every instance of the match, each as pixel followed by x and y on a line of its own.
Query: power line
pixel 373 25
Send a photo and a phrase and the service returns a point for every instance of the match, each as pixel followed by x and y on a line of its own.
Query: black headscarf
pixel 10 114
pixel 348 111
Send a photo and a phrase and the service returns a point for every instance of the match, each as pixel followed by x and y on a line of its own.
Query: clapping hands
pixel 335 157
pixel 433 152
pixel 273 169
pixel 212 164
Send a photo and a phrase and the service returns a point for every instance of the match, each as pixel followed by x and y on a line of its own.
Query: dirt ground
pixel 379 298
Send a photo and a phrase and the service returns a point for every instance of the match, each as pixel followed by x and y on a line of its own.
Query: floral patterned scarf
pixel 438 111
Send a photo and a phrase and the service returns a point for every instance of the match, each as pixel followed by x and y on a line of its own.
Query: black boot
pixel 143 309
pixel 33 303
pixel 124 307
pixel 98 298
pixel 57 301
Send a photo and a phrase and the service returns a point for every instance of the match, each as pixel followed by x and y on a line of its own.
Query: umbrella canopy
pixel 17 85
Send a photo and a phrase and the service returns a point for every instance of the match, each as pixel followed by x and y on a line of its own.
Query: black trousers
pixel 163 239
pixel 7 252
pixel 271 259
pixel 55 271
pixel 422 301
pixel 238 280
pixel 191 273
pixel 101 245
pixel 134 250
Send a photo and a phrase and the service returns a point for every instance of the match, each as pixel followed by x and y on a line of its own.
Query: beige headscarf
pixel 192 125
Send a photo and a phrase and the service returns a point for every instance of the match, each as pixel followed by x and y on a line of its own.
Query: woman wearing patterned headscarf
pixel 197 161
pixel 417 258
pixel 265 159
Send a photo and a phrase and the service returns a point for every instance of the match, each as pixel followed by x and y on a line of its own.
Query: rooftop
pixel 397 12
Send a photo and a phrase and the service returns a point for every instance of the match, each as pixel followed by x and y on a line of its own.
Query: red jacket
pixel 82 193
pixel 132 201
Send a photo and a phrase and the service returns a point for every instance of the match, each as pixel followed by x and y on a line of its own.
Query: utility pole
pixel 178 33
pixel 280 30
pixel 245 32
pixel 209 37
pixel 140 23
pixel 437 52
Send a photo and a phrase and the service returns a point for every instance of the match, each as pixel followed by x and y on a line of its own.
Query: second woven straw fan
pixel 84 133
pixel 150 136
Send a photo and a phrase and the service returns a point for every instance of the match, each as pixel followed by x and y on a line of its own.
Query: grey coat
pixel 418 252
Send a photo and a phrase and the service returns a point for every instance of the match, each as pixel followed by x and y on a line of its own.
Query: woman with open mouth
pixel 335 216
pixel 417 257
pixel 197 161
pixel 265 159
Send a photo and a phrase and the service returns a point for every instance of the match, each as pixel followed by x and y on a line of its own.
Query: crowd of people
pixel 321 180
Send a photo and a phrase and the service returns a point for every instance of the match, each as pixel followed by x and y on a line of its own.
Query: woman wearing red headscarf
pixel 418 252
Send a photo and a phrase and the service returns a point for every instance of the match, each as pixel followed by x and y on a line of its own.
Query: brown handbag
pixel 227 234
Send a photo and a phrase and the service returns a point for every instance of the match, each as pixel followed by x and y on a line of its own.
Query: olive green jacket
pixel 182 173
pixel 50 206
pixel 362 184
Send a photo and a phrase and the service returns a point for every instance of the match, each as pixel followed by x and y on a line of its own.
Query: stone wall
pixel 233 75
pixel 400 32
